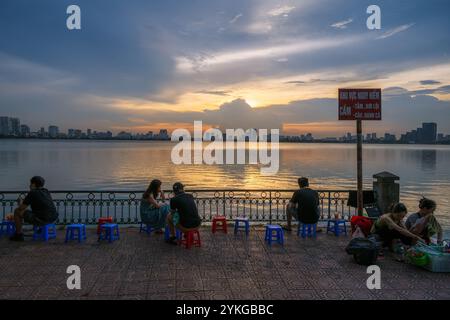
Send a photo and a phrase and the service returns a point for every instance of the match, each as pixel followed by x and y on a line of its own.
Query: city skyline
pixel 276 64
pixel 12 127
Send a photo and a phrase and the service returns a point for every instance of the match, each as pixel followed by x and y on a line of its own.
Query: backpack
pixel 364 251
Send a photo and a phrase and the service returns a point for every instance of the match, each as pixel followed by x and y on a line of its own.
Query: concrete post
pixel 387 190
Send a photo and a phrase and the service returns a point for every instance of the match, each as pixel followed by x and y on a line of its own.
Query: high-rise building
pixel 25 130
pixel 53 131
pixel 4 126
pixel 428 132
pixel 14 126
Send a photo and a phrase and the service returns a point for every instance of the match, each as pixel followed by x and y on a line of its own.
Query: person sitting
pixel 304 205
pixel 389 228
pixel 43 210
pixel 424 223
pixel 154 213
pixel 184 214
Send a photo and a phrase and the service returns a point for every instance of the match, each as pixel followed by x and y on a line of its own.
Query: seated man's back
pixel 186 207
pixel 41 204
pixel 307 201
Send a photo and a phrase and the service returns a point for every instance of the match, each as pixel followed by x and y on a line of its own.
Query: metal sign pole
pixel 359 167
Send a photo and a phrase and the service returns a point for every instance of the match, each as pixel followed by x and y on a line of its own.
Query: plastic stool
pixel 145 227
pixel 102 221
pixel 279 235
pixel 167 233
pixel 219 223
pixel 109 231
pixel 76 231
pixel 337 226
pixel 191 238
pixel 45 232
pixel 246 225
pixel 8 228
pixel 305 227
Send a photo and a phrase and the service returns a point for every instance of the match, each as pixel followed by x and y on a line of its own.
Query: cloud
pixel 214 92
pixel 429 82
pixel 294 46
pixel 236 18
pixel 283 10
pixel 342 24
pixel 396 30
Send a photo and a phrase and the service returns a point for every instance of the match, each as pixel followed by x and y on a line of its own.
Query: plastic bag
pixel 364 251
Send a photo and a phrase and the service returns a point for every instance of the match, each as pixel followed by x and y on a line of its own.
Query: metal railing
pixel 257 205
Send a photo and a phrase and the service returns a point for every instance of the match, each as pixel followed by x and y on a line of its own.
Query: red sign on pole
pixel 359 104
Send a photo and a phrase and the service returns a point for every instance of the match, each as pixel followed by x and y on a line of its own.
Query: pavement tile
pixel 225 267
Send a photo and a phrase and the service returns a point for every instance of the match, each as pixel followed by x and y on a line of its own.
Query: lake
pixel 124 165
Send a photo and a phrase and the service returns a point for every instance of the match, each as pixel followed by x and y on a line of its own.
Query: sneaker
pixel 17 237
pixel 172 240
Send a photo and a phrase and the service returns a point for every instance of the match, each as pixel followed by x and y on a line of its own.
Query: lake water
pixel 124 165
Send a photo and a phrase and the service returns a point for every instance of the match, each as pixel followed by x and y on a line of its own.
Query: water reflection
pixel 428 159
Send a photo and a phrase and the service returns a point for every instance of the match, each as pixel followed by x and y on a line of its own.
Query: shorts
pixel 175 218
pixel 31 218
pixel 189 224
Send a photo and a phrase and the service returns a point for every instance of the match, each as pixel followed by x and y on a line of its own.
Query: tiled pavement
pixel 226 267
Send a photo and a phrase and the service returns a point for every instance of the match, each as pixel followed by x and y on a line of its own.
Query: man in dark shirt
pixel 184 215
pixel 42 211
pixel 304 205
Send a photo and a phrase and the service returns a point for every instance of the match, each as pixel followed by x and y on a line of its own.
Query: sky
pixel 143 65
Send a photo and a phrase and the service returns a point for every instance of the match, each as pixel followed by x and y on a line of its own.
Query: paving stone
pixel 225 267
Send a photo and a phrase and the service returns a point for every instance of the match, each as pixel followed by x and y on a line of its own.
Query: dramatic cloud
pixel 342 24
pixel 236 17
pixel 284 10
pixel 429 82
pixel 165 62
pixel 396 30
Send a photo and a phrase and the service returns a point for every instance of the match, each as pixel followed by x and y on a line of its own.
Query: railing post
pixel 329 205
pixel 386 189
pixel 270 206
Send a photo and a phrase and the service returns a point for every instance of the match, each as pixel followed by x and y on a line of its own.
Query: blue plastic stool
pixel 76 231
pixel 8 228
pixel 45 233
pixel 279 235
pixel 145 228
pixel 337 226
pixel 109 231
pixel 305 229
pixel 178 233
pixel 246 225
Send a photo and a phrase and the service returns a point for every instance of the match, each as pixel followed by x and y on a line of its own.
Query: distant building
pixel 53 132
pixel 124 135
pixel 389 138
pixel 4 126
pixel 42 133
pixel 428 133
pixel 14 128
pixel 25 130
pixel 163 134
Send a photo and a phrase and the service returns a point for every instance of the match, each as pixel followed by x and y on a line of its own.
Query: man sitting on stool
pixel 43 210
pixel 304 205
pixel 184 214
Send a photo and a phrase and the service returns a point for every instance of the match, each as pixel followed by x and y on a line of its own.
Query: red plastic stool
pixel 190 238
pixel 103 221
pixel 219 223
